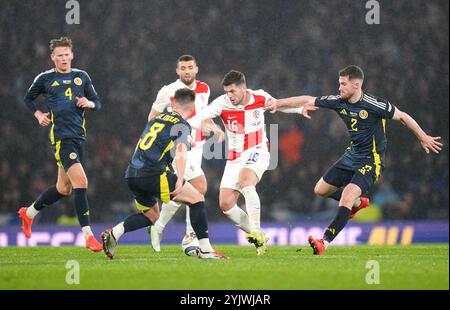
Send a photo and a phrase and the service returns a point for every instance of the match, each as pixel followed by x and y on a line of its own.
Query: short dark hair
pixel 184 96
pixel 233 77
pixel 186 58
pixel 353 72
pixel 63 41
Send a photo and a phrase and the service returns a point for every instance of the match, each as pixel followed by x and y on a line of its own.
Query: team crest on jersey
pixel 77 81
pixel 73 155
pixel 363 114
pixel 256 114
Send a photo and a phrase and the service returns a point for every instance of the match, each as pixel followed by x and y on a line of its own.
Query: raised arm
pixel 428 143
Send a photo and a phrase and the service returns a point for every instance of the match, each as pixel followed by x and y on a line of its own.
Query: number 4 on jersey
pixel 68 93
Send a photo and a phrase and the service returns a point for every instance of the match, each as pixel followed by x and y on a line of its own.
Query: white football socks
pixel 357 202
pixel 31 212
pixel 87 231
pixel 253 206
pixel 239 218
pixel 205 246
pixel 118 231
pixel 168 210
pixel 189 228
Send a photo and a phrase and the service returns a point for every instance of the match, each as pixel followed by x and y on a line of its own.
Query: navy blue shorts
pixel 68 152
pixel 343 172
pixel 148 190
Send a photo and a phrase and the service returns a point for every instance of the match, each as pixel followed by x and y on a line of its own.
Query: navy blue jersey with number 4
pixel 366 125
pixel 61 90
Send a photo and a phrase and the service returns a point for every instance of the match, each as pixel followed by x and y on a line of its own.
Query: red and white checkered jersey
pixel 244 124
pixel 164 101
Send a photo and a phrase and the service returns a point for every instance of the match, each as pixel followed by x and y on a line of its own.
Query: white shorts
pixel 193 164
pixel 256 159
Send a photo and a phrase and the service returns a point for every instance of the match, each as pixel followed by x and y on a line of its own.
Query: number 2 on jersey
pixel 68 93
pixel 150 137
pixel 354 121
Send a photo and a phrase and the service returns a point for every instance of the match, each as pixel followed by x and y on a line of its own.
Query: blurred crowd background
pixel 285 47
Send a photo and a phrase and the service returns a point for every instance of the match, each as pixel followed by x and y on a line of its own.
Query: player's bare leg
pixel 79 182
pixel 326 190
pixel 248 180
pixel 195 200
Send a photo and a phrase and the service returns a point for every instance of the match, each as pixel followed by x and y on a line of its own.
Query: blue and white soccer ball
pixel 190 244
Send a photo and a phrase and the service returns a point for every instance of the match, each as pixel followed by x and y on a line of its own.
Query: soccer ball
pixel 190 244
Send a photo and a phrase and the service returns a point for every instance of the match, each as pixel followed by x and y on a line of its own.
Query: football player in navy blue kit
pixel 350 179
pixel 152 178
pixel 69 94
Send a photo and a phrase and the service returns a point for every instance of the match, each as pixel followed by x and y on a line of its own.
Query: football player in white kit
pixel 186 70
pixel 242 112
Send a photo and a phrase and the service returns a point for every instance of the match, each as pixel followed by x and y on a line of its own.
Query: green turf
pixel 138 267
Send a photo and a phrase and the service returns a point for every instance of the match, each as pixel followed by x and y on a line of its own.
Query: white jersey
pixel 244 124
pixel 164 101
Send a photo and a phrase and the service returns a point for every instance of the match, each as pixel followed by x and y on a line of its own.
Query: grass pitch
pixel 284 267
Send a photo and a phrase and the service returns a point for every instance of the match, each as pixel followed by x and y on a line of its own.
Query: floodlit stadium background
pixel 284 47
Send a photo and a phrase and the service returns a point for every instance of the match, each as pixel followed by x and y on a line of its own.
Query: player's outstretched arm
pixel 428 142
pixel 304 111
pixel 291 102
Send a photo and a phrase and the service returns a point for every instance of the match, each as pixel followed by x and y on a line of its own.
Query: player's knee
pixel 247 182
pixel 226 203
pixel 202 188
pixel 82 183
pixel 350 194
pixel 64 189
pixel 199 197
pixel 319 189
